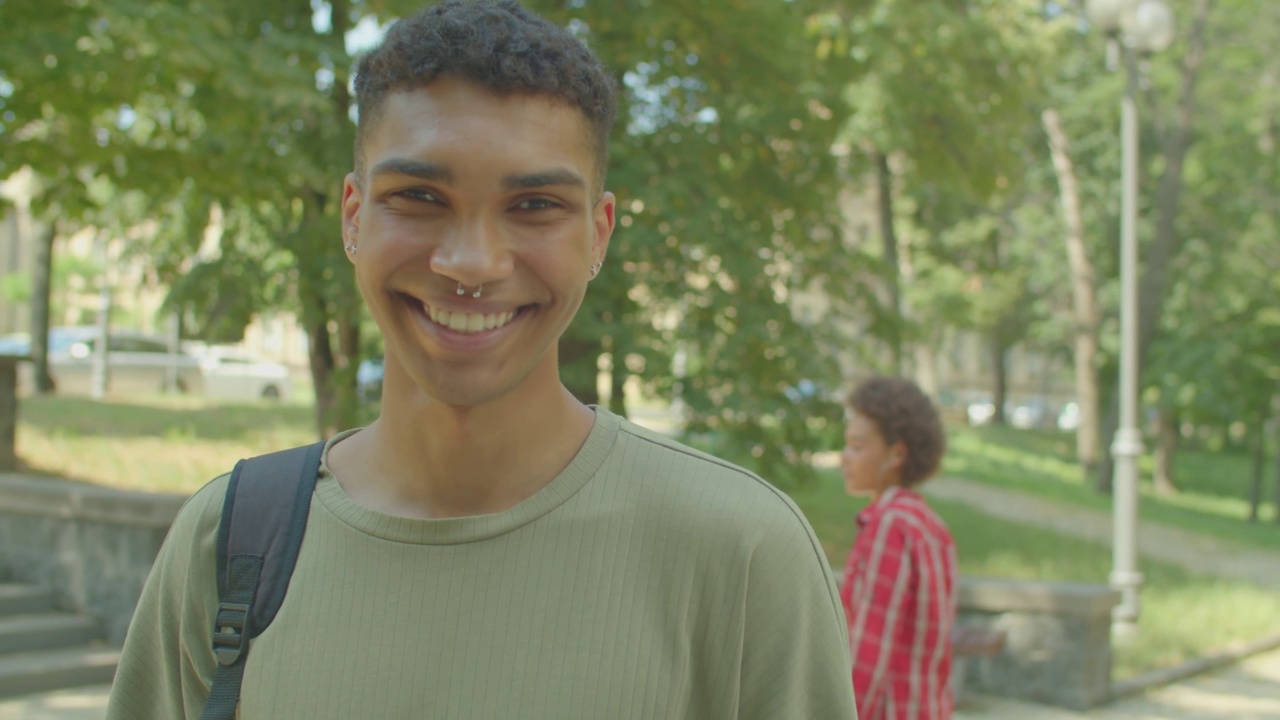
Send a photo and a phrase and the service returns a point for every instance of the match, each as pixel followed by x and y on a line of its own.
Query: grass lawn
pixel 159 444
pixel 177 444
pixel 1184 616
pixel 1214 486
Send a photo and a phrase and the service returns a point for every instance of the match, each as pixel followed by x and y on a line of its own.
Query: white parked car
pixel 233 374
pixel 138 364
pixel 1069 418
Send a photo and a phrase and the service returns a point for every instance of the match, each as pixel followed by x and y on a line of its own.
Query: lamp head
pixel 1152 28
pixel 1108 15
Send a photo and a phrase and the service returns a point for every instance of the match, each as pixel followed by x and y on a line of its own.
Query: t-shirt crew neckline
pixel 451 531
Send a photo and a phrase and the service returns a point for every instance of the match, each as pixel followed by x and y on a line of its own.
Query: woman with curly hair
pixel 899 589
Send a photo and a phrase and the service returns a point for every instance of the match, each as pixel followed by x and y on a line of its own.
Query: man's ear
pixel 352 199
pixel 897 456
pixel 603 217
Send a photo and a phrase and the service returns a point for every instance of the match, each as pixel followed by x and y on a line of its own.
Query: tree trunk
pixel 579 358
pixel 1166 244
pixel 617 387
pixel 923 347
pixel 1083 294
pixel 320 357
pixel 926 367
pixel 1106 461
pixel 1275 508
pixel 40 300
pixel 333 335
pixel 1000 379
pixel 1259 436
pixel 346 402
pixel 1166 449
pixel 889 243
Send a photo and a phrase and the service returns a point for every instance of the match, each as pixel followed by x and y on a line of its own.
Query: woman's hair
pixel 903 413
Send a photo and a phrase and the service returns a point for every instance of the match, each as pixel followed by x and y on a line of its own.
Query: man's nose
pixel 473 252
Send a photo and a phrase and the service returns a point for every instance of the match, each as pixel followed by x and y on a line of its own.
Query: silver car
pixel 137 363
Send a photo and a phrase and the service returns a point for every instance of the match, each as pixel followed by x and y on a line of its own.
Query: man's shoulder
pixel 682 462
pixel 195 527
pixel 205 504
pixel 692 481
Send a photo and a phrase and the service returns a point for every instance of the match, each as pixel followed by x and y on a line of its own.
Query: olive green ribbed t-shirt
pixel 647 580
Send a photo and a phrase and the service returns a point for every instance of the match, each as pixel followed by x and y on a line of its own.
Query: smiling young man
pixel 490 547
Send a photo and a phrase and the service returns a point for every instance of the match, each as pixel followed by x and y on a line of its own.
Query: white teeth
pixel 468 323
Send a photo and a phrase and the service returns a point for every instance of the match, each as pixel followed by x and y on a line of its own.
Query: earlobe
pixel 351 201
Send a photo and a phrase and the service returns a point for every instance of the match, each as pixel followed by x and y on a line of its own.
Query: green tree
pixel 938 97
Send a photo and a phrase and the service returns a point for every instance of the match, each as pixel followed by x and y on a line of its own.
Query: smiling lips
pixel 468 323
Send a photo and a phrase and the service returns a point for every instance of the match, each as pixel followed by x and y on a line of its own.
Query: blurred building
pixel 954 365
pixel 89 257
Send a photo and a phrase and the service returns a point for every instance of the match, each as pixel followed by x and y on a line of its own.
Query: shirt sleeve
pixel 795 654
pixel 167 664
pixel 875 611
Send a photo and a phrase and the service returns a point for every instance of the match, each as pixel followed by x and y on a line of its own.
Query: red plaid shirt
pixel 899 595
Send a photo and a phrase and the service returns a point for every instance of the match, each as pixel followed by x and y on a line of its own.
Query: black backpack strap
pixel 263 519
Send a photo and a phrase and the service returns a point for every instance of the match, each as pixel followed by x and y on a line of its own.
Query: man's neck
pixel 423 458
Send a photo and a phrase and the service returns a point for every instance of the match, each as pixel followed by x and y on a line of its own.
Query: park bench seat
pixel 971 641
pixel 976 641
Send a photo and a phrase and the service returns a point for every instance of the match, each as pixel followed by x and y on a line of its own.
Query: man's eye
pixel 535 204
pixel 418 195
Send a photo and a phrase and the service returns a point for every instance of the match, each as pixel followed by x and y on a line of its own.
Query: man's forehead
pixel 519 179
pixel 448 92
pixel 408 120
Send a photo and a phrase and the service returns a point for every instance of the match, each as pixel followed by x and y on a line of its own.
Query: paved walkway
pixel 1195 552
pixel 1249 690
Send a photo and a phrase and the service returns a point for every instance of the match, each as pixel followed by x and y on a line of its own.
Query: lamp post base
pixel 1125 578
pixel 1124 616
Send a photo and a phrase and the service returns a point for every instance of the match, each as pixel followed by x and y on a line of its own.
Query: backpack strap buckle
pixel 230 636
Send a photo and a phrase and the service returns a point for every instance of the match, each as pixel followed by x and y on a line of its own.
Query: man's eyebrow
pixel 413 168
pixel 529 181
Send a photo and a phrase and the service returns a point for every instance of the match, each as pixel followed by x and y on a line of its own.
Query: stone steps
pixel 45 631
pixel 38 671
pixel 42 649
pixel 21 599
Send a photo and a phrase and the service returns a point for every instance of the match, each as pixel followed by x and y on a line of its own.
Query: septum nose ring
pixel 476 294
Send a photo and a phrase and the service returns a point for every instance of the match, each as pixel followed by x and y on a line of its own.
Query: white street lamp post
pixel 1143 26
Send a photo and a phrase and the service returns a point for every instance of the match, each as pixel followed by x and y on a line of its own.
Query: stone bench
pixel 1046 642
pixel 1057 640
pixel 971 641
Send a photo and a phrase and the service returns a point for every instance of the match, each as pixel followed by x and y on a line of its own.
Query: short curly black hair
pixel 902 412
pixel 498 45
